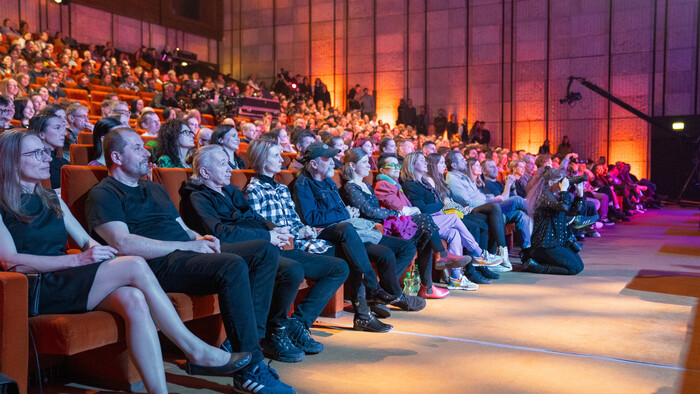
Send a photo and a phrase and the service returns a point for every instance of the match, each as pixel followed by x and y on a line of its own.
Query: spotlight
pixel 294 86
pixel 61 2
pixel 184 64
pixel 678 126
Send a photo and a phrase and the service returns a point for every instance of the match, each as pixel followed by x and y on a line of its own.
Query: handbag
pixel 401 227
pixel 33 290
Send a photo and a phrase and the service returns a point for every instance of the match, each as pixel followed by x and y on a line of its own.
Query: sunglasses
pixel 392 165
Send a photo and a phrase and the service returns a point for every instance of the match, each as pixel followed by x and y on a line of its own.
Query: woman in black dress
pixel 95 278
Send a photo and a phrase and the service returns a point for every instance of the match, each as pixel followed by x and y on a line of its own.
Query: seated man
pixel 465 192
pixel 77 116
pixel 211 205
pixel 250 133
pixel 301 139
pixel 149 121
pixel 52 84
pixel 319 204
pixel 137 217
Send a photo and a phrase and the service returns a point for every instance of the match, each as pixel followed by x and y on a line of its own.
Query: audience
pixel 434 180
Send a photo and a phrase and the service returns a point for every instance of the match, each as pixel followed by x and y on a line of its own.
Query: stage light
pixel 184 64
pixel 678 126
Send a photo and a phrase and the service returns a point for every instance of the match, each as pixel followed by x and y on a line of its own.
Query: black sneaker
pixel 477 278
pixel 379 296
pixel 409 303
pixel 300 337
pixel 371 324
pixel 278 346
pixel 487 273
pixel 260 379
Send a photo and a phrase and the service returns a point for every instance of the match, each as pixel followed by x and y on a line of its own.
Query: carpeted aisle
pixel 529 333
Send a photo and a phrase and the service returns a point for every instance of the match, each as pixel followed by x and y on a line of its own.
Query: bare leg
pixel 133 271
pixel 141 335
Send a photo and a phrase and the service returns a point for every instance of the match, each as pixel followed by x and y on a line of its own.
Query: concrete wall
pixel 502 61
pixel 92 26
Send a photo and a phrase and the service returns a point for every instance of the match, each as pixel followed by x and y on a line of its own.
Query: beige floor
pixel 525 333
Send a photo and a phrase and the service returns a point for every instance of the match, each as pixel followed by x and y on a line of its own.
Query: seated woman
pixel 368 147
pixel 102 127
pixel 50 127
pixel 213 206
pixel 175 142
pixel 420 190
pixel 554 247
pixel 24 110
pixel 227 136
pixel 427 239
pixel 136 107
pixel 93 279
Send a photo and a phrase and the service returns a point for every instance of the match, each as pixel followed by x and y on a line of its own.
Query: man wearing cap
pixel 319 204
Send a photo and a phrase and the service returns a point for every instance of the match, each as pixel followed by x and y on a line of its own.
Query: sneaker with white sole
pixel 462 284
pixel 260 379
pixel 487 259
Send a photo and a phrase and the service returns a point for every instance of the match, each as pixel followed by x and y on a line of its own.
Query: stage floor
pixel 529 333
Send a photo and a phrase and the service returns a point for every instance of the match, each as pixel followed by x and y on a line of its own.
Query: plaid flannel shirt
pixel 273 201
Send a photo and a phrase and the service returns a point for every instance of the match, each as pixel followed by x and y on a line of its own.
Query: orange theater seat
pixel 70 85
pixel 286 177
pixel 95 108
pixel 159 112
pixel 127 92
pixel 241 178
pixel 98 96
pixel 76 94
pixel 208 120
pixel 287 158
pixel 85 138
pixel 76 182
pixel 146 96
pixel 127 98
pixel 94 87
pixel 41 80
pixel 172 179
pixel 80 154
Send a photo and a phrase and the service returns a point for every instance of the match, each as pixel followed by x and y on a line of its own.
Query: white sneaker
pixel 598 225
pixel 487 259
pixel 505 265
pixel 462 284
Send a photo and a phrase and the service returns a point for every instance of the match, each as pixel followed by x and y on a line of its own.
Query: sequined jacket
pixel 550 222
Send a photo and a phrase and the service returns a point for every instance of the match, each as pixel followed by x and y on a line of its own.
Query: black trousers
pixel 242 275
pixel 328 272
pixel 478 226
pixel 391 256
pixel 558 261
pixel 494 218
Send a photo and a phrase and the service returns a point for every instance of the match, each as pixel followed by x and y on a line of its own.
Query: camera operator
pixel 554 247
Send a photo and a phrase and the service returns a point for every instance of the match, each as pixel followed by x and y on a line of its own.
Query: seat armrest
pixel 14 326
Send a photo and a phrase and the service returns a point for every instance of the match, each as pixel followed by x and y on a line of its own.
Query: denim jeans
pixel 242 275
pixel 329 273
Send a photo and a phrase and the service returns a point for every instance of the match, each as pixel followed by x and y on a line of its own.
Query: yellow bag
pixel 454 211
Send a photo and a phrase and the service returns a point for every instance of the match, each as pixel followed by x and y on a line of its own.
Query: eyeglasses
pixel 122 112
pixel 39 154
pixel 187 132
pixel 392 165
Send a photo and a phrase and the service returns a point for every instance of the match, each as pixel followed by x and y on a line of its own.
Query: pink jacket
pixel 390 195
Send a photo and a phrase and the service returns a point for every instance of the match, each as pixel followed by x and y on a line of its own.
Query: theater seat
pixel 287 158
pixel 241 178
pixel 80 154
pixel 98 96
pixel 76 94
pixel 76 182
pixel 286 177
pixel 85 138
pixel 172 179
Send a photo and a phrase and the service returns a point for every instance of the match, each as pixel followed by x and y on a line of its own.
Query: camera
pixel 574 246
pixel 575 180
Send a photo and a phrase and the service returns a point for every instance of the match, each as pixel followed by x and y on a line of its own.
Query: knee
pixel 232 270
pixel 132 301
pixel 340 269
pixel 269 250
pixel 292 271
pixel 136 267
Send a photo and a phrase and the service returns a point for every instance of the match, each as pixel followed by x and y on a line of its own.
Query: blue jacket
pixel 318 203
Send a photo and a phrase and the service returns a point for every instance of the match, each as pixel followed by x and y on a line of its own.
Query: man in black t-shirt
pixel 138 218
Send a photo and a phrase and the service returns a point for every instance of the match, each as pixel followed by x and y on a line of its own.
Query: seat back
pixel 287 158
pixel 80 154
pixel 241 178
pixel 76 94
pixel 76 182
pixel 85 138
pixel 98 96
pixel 172 179
pixel 286 177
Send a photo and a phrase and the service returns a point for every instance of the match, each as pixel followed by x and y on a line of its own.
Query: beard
pixel 330 172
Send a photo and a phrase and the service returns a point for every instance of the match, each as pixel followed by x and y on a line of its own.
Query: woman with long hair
pixel 50 127
pixel 102 127
pixel 554 248
pixel 227 136
pixel 421 190
pixel 33 232
pixel 23 82
pixel 24 110
pixel 368 147
pixel 9 88
pixel 175 142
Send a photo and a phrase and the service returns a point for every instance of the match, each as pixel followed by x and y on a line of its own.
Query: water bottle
pixel 416 283
pixel 408 283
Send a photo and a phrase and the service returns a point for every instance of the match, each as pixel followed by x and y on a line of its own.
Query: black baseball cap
pixel 319 149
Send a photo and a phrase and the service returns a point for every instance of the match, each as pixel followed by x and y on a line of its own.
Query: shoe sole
pixel 284 359
pixel 357 328
pixel 380 312
pixel 477 263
